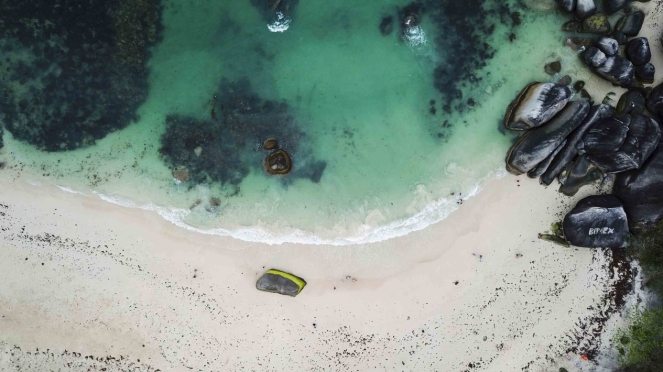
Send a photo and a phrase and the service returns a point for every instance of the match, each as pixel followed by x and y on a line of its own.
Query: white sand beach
pixel 89 285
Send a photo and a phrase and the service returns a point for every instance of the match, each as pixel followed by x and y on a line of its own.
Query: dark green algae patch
pixel 73 71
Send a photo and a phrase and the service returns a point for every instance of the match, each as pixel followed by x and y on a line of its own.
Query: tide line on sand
pixel 432 213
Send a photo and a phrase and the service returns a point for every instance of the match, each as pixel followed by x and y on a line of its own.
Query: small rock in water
pixel 553 67
pixel 631 23
pixel 577 43
pixel 585 94
pixel 278 162
pixel 198 150
pixel 270 144
pixel 571 26
pixel 387 26
pixel 607 45
pixel 638 51
pixel 645 73
pixel 596 24
pixel 181 173
pixel 565 80
pixel 579 85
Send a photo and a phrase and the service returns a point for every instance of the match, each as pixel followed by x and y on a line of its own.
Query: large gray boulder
pixel 641 140
pixel 655 101
pixel 641 191
pixel 607 135
pixel 569 151
pixel 537 144
pixel 597 222
pixel 535 105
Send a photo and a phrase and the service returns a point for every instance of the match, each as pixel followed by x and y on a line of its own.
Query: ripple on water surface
pixel 389 109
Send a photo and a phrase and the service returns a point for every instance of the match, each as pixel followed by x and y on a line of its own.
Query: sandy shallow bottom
pixel 83 278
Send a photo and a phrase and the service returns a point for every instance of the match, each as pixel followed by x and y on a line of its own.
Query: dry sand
pixel 87 285
pixel 83 276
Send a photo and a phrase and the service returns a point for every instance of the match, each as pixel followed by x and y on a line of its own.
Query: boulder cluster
pixel 580 143
pixel 601 53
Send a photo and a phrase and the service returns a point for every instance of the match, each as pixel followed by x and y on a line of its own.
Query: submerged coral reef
pixel 73 71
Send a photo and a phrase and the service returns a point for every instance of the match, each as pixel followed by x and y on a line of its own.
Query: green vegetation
pixel 640 344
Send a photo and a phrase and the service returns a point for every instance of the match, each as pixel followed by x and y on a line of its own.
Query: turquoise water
pixel 373 156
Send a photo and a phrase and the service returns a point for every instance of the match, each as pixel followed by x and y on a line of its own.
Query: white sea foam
pixel 281 24
pixel 432 213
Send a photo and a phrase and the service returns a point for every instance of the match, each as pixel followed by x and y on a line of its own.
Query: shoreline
pixel 430 215
pixel 511 296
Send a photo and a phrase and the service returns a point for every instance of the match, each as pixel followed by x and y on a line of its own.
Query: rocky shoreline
pixel 569 137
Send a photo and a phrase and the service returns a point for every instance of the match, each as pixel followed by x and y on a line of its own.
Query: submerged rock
pixel 645 73
pixel 641 191
pixel 280 282
pixel 607 135
pixel 66 84
pixel 270 144
pixel 638 51
pixel 387 25
pixel 579 85
pixel 569 151
pixel 230 147
pixel 631 23
pixel 181 173
pixel 278 162
pixel 632 101
pixel 535 105
pixel 553 67
pixel 571 26
pixel 537 144
pixel 578 43
pixel 597 222
pixel 607 45
pixel 580 173
pixel 565 80
pixel 584 8
pixel 596 24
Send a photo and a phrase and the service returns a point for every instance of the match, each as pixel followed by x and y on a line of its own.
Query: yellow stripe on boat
pixel 299 281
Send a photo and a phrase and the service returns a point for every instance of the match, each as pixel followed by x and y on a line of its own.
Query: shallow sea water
pixel 370 158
